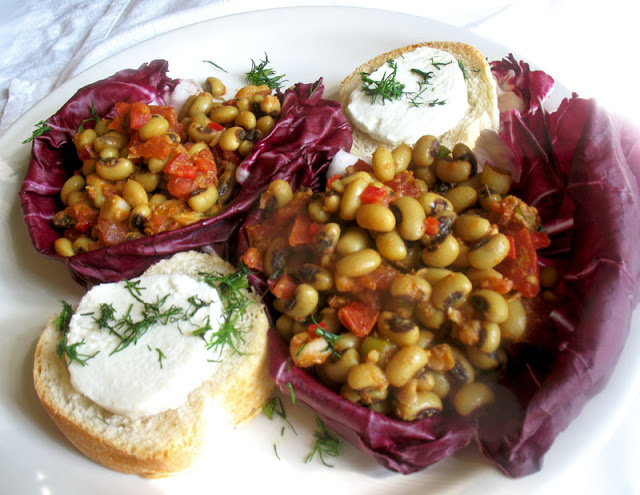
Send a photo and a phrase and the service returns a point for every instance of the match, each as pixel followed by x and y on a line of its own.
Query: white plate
pixel 304 43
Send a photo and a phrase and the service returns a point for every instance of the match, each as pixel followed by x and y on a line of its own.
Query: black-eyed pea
pixel 359 263
pixel 411 403
pixel 85 138
pixel 155 126
pixel 490 337
pixel 462 197
pixel 115 209
pixel 383 164
pixel 487 197
pixel 410 217
pixel 63 247
pixel 391 246
pixel 426 175
pixel 462 261
pixel 82 244
pixel 452 171
pixel 157 199
pixel 402 155
pixel 275 256
pixel 109 153
pixel 549 276
pixel 112 139
pixel 224 115
pixel 77 197
pixel 277 195
pixel 115 169
pixel 102 127
pixel 203 199
pixel 216 86
pixel 471 228
pixel 337 368
pixel 442 254
pixel 426 338
pixel 497 180
pixel 88 167
pixel 270 105
pixel 433 203
pixel 490 252
pixel 441 385
pixel 156 165
pixel 331 202
pixel 139 216
pixel 477 277
pixel 462 372
pixel 329 318
pixel 303 303
pixel 307 351
pixel 317 213
pixel 75 183
pixel 515 326
pixel 245 119
pixel 461 151
pixel 133 193
pixel 202 133
pixel 326 239
pixel 284 327
pixel 433 275
pixel 351 201
pixel 413 255
pixel 429 316
pixel 425 150
pixel 451 291
pixel 201 104
pixel 375 217
pixel 490 304
pixel 398 330
pixel 149 180
pixel 471 397
pixel 366 377
pixel 353 239
pixel 405 364
pixel 484 361
pixel 316 276
pixel 351 395
pixel 231 138
pixel 383 349
pixel 410 286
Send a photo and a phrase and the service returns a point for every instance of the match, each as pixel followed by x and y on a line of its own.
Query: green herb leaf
pixel 94 118
pixel 41 128
pixel 326 444
pixel 261 74
pixel 215 65
pixel 293 393
pixel 439 65
pixel 387 88
pixel 464 71
pixel 274 406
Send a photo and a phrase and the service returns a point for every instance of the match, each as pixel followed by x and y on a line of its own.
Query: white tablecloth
pixel 587 45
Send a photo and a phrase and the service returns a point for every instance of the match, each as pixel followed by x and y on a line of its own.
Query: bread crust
pixel 164 444
pixel 481 94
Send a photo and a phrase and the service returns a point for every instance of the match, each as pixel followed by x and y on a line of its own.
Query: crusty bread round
pixel 483 110
pixel 163 444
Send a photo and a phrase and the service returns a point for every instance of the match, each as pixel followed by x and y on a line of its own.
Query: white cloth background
pixel 587 45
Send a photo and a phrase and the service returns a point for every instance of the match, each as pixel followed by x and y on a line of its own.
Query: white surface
pixel 596 454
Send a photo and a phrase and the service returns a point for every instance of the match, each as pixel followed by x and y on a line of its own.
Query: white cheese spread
pixel 158 369
pixel 433 100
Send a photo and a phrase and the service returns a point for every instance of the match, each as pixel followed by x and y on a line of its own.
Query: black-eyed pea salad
pixel 402 285
pixel 151 169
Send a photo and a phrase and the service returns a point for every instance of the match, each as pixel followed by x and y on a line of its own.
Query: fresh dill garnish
pixel 331 338
pixel 275 449
pixel 161 356
pixel 261 74
pixel 387 88
pixel 231 290
pixel 293 393
pixel 326 444
pixel 314 87
pixel 433 103
pixel 94 117
pixel 41 128
pixel 438 65
pixel 274 406
pixel 425 75
pixel 63 348
pixel 215 65
pixel 464 71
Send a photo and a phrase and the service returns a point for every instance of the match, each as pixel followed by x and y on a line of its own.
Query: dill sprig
pixel 94 117
pixel 63 348
pixel 464 71
pixel 261 74
pixel 438 65
pixel 326 444
pixel 387 88
pixel 274 406
pixel 41 128
pixel 215 65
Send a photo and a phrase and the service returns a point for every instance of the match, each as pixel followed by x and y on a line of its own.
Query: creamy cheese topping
pixel 433 100
pixel 156 371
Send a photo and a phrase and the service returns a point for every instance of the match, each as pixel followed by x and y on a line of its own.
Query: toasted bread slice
pixel 481 95
pixel 162 444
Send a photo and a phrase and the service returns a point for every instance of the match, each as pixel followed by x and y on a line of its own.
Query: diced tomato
pixel 181 187
pixel 332 179
pixel 373 194
pixel 303 230
pixel 156 147
pixel 253 259
pixel 512 248
pixel 523 269
pixel 360 166
pixel 379 279
pixel 84 215
pixel 358 318
pixel 499 285
pixel 215 126
pixel 121 121
pixel 432 226
pixel 540 239
pixel 284 287
pixel 110 233
pixel 139 115
pixel 180 165
pixel 403 184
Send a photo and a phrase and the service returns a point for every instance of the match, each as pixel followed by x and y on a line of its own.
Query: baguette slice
pixel 483 110
pixel 163 444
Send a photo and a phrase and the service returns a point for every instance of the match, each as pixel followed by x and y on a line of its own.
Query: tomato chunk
pixel 358 318
pixel 284 287
pixel 522 269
